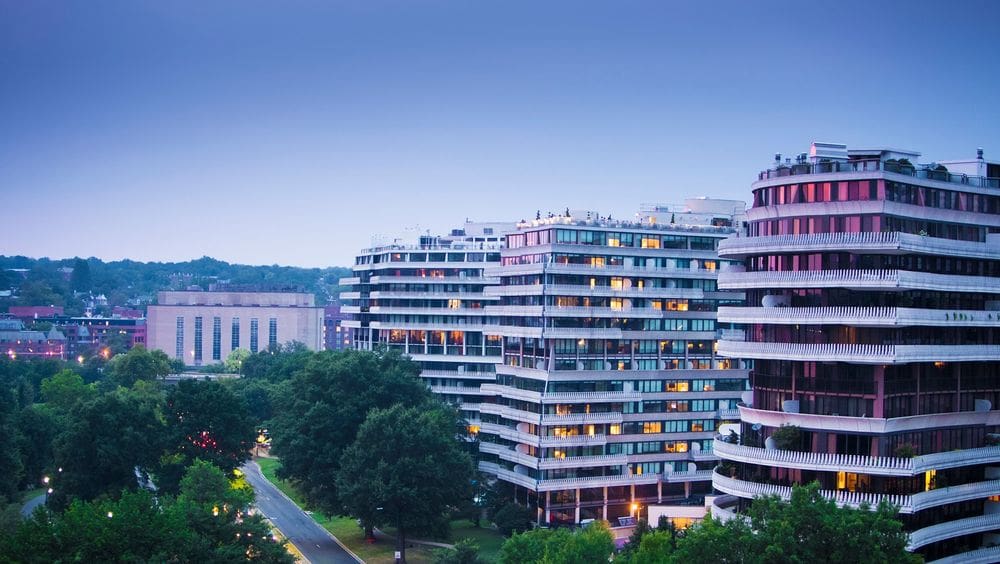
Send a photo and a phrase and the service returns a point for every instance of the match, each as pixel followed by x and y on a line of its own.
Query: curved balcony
pixel 590 397
pixel 507 475
pixel 988 555
pixel 951 529
pixel 860 353
pixel 572 440
pixel 510 413
pixel 459 390
pixel 511 392
pixel 874 426
pixel 508 433
pixel 883 242
pixel 860 316
pixel 583 461
pixel 422 295
pixel 750 490
pixel 723 507
pixel 860 280
pixel 450 279
pixel 575 418
pixel 510 455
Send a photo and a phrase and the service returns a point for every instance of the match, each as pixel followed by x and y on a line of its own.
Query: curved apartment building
pixel 873 322
pixel 426 301
pixel 610 390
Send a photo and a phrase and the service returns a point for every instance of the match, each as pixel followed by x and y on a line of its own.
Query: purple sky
pixel 293 132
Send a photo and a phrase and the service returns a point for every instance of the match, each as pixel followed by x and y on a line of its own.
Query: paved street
pixel 28 508
pixel 315 543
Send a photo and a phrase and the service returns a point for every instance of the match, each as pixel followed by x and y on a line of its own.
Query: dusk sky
pixel 294 132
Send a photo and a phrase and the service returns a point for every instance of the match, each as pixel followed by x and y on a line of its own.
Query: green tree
pixel 138 364
pixel 37 427
pixel 234 362
pixel 807 528
pixel 656 547
pixel 80 280
pixel 525 548
pixel 321 408
pixel 513 518
pixel 405 469
pixel 466 551
pixel 205 421
pixel 104 440
pixel 65 389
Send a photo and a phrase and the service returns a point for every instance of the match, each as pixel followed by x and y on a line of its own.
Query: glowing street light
pixel 110 514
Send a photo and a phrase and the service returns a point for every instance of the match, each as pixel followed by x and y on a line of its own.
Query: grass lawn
pixel 349 533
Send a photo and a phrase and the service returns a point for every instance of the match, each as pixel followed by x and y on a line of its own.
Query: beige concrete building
pixel 204 327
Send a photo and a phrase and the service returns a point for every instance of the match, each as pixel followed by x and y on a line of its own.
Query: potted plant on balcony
pixel 788 437
pixel 905 166
pixel 891 165
pixel 905 450
pixel 937 172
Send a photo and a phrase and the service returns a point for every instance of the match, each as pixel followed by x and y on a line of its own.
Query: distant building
pixel 16 341
pixel 204 327
pixel 335 336
pixel 34 312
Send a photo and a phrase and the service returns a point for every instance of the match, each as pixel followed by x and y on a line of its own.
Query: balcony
pixel 860 353
pixel 859 279
pixel 878 466
pixel 577 418
pixel 750 490
pixel 590 397
pixel 583 461
pixel 508 433
pixel 875 165
pixel 988 555
pixel 510 413
pixel 874 426
pixel 511 393
pixel 881 242
pixel 450 279
pixel 950 529
pixel 508 476
pixel 459 390
pixel 572 440
pixel 723 507
pixel 860 316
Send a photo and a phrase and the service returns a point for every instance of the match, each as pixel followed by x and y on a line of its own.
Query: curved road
pixel 315 543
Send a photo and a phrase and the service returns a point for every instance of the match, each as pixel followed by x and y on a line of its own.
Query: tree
pixel 234 362
pixel 466 551
pixel 104 441
pixel 65 389
pixel 523 548
pixel 205 421
pixel 594 544
pixel 405 469
pixel 322 407
pixel 807 528
pixel 80 280
pixel 513 518
pixel 37 427
pixel 787 437
pixel 138 364
pixel 656 547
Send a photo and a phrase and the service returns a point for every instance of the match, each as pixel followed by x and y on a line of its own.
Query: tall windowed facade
pixel 609 390
pixel 873 321
pixel 426 301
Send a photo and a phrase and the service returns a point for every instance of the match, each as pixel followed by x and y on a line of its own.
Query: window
pixel 254 327
pixel 235 339
pixel 216 338
pixel 652 427
pixel 272 332
pixel 179 350
pixel 197 340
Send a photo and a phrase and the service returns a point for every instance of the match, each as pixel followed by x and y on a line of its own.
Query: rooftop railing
pixel 876 165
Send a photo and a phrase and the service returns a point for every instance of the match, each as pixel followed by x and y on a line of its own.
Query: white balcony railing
pixel 583 461
pixel 988 555
pixel 844 242
pixel 878 426
pixel 860 353
pixel 950 529
pixel 867 279
pixel 859 316
pixel 750 490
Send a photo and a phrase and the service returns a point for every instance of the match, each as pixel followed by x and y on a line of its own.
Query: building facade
pixel 609 390
pixel 204 327
pixel 873 321
pixel 336 337
pixel 426 300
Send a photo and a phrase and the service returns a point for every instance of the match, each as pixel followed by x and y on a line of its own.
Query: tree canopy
pixel 405 469
pixel 322 407
pixel 594 544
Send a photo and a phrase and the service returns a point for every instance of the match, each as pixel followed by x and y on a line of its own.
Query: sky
pixel 298 133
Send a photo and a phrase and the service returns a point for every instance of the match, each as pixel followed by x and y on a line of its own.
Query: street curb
pixel 328 533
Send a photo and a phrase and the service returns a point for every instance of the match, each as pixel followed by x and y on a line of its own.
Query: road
pixel 314 542
pixel 28 508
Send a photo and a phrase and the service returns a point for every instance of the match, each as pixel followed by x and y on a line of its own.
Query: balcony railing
pixel 583 461
pixel 950 529
pixel 750 490
pixel 875 465
pixel 860 353
pixel 893 241
pixel 574 418
pixel 988 555
pixel 872 279
pixel 507 475
pixel 876 165
pixel 859 316
pixel 878 426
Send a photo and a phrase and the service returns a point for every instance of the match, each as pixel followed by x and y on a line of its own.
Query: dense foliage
pixel 44 281
pixel 594 544
pixel 807 528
